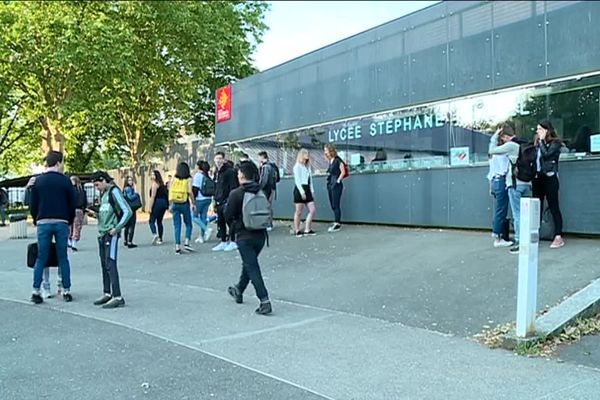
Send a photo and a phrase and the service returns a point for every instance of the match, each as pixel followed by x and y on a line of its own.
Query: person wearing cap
pixel 113 214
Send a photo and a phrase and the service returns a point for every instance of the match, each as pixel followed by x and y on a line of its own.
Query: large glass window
pixel 450 133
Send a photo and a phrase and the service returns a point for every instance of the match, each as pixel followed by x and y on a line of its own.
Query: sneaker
pixel 514 249
pixel 264 308
pixel 159 242
pixel 73 248
pixel 36 298
pixel 502 243
pixel 269 228
pixel 200 239
pixel 67 297
pixel 69 244
pixel 235 293
pixel 132 245
pixel 334 227
pixel 188 247
pixel 207 234
pixel 46 294
pixel 126 244
pixel 155 240
pixel 231 247
pixel 220 247
pixel 557 244
pixel 103 300
pixel 299 234
pixel 177 250
pixel 114 303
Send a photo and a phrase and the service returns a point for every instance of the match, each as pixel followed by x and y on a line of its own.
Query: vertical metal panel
pixel 566 55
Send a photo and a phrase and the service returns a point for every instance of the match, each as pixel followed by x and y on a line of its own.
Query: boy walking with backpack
pixel 520 174
pixel 248 210
pixel 113 215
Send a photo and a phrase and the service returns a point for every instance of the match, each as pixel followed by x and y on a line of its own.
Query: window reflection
pixel 451 133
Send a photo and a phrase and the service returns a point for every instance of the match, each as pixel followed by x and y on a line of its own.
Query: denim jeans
pixel 45 233
pixel 249 250
pixel 182 210
pixel 515 195
pixel 159 208
pixel 46 280
pixel 501 203
pixel 335 196
pixel 201 215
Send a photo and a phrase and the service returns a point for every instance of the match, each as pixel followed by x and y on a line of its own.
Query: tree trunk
pixel 53 138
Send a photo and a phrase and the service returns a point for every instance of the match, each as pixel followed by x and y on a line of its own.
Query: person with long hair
pixel 335 175
pixel 303 193
pixel 129 193
pixel 80 206
pixel 546 183
pixel 181 197
pixel 158 206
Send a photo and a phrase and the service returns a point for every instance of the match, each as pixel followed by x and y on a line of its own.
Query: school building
pixel 411 105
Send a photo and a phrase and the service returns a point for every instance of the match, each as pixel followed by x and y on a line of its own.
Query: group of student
pixel 520 168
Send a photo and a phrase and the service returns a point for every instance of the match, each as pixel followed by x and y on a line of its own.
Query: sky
pixel 299 27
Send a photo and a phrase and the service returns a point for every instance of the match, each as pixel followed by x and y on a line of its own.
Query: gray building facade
pixel 426 90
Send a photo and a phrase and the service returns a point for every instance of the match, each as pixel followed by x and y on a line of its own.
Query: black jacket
pixel 225 181
pixel 233 212
pixel 550 151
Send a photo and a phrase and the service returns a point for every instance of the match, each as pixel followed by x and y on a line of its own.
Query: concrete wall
pixel 449 197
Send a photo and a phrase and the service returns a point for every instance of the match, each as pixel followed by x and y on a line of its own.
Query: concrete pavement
pixel 367 313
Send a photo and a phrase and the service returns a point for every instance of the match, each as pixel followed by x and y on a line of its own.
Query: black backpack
pixel 525 167
pixel 276 171
pixel 208 187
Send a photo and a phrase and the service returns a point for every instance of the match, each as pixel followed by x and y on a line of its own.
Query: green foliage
pixel 115 81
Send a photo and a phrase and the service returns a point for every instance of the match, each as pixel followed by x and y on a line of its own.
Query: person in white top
pixel 303 194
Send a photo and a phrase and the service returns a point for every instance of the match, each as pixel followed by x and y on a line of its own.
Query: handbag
pixel 32 254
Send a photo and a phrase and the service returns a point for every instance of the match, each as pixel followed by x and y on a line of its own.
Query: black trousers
pixel 335 197
pixel 249 250
pixel 108 246
pixel 130 228
pixel 224 231
pixel 546 187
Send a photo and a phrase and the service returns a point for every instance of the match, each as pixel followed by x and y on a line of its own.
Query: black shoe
pixel 67 297
pixel 514 249
pixel 102 300
pixel 235 293
pixel 264 308
pixel 310 233
pixel 188 247
pixel 73 248
pixel 126 244
pixel 299 234
pixel 114 303
pixel 132 246
pixel 36 298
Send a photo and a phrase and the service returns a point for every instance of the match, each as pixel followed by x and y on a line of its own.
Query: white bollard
pixel 528 266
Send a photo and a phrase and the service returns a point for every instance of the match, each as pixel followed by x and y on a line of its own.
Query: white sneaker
pixel 220 247
pixel 46 294
pixel 208 234
pixel 231 246
pixel 155 240
pixel 502 243
pixel 199 240
pixel 269 228
pixel 334 227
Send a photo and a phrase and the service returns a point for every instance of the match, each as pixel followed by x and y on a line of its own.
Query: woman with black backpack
pixel 546 183
pixel 134 201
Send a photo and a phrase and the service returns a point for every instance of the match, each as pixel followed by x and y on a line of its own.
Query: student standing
pixel 53 210
pixel 499 167
pixel 200 217
pixel 546 183
pixel 225 181
pixel 130 194
pixel 182 202
pixel 303 194
pixel 250 242
pixel 335 175
pixel 80 206
pixel 159 204
pixel 268 179
pixel 113 215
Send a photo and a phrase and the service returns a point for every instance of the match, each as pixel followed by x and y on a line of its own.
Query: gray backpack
pixel 256 211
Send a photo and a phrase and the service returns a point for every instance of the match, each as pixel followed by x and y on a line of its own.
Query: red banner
pixel 224 103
